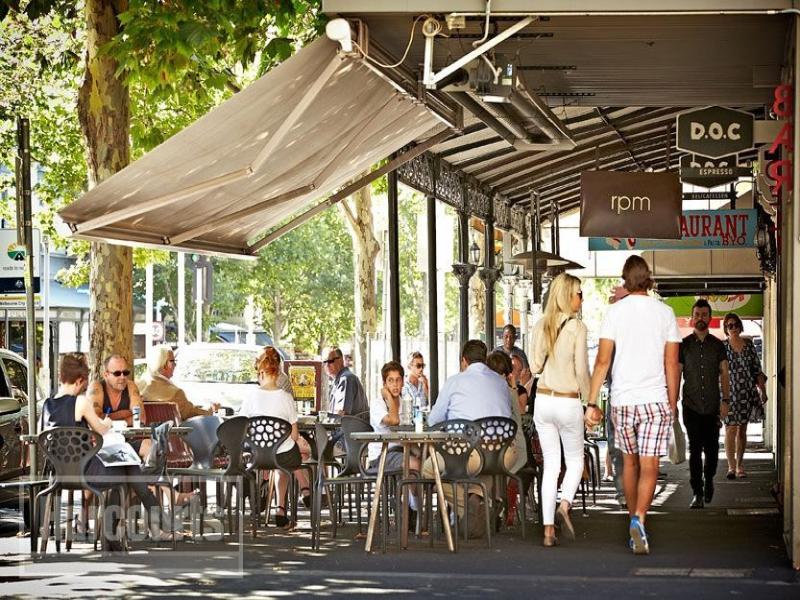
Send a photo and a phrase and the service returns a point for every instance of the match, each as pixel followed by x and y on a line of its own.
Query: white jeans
pixel 559 419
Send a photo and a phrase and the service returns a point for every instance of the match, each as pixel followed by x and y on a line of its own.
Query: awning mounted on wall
pixel 303 130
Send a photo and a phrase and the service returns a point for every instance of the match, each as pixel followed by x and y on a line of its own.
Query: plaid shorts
pixel 642 428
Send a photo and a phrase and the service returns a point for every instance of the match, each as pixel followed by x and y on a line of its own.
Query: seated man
pixel 159 388
pixel 117 395
pixel 474 393
pixel 347 395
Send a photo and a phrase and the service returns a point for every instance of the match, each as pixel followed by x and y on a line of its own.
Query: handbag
pixel 677 444
pixel 155 462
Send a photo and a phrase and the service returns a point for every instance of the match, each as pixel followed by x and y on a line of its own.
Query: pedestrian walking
pixel 561 356
pixel 705 371
pixel 642 335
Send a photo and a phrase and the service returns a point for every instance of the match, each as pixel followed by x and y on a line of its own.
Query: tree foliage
pixel 302 283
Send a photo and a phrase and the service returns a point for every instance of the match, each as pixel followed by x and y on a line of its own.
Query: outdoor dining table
pixel 408 439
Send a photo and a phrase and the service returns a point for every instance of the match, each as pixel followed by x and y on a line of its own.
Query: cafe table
pixel 408 439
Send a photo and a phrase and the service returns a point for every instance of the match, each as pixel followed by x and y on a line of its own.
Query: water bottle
pixel 137 416
pixel 419 420
pixel 406 409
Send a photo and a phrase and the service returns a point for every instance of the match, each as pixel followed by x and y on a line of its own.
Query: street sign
pixel 714 131
pixel 12 263
pixel 715 171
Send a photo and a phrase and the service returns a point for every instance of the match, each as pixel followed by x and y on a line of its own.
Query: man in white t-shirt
pixel 642 335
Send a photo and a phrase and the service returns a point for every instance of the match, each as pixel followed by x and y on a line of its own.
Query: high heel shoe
pixel 563 520
pixel 283 521
pixel 550 541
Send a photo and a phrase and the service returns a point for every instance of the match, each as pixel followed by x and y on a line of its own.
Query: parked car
pixel 223 373
pixel 13 421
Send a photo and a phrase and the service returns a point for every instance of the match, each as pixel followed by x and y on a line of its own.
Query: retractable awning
pixel 304 129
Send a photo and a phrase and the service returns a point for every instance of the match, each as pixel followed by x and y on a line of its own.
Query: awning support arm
pixel 296 113
pixel 161 201
pixel 431 79
pixel 240 214
pixel 350 189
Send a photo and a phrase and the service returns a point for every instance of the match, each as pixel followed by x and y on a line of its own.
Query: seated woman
pixel 70 408
pixel 269 400
pixel 517 454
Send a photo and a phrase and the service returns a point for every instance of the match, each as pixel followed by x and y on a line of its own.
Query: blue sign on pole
pixel 700 230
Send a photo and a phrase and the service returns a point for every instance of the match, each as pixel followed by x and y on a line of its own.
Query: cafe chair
pixel 204 444
pixel 264 436
pixel 353 473
pixel 455 454
pixel 68 451
pixel 497 436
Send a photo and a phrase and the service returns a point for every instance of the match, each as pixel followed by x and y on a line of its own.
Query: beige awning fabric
pixel 304 129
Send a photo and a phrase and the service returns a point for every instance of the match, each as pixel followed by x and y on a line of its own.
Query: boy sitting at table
pixel 384 412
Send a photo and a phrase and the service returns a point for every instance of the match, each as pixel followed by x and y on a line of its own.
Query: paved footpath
pixel 732 548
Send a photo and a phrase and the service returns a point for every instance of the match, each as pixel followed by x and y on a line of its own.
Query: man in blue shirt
pixel 474 393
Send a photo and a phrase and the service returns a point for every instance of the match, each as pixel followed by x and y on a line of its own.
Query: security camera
pixel 338 30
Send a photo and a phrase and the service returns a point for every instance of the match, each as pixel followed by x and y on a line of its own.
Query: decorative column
pixel 490 275
pixel 433 303
pixel 394 267
pixel 463 271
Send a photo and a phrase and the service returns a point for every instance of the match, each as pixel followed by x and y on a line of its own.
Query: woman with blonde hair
pixel 269 400
pixel 560 356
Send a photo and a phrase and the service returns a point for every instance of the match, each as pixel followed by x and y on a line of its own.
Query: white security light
pixel 339 31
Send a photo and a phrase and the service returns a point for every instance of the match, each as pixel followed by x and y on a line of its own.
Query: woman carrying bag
pixel 560 355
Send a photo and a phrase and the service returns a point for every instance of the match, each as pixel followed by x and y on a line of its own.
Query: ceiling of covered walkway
pixel 615 83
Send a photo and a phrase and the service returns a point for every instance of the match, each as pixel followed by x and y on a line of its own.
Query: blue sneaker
pixel 638 542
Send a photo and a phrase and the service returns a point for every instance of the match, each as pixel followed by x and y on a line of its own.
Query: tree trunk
pixel 103 110
pixel 365 249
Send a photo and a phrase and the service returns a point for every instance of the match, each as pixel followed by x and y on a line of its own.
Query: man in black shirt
pixel 705 371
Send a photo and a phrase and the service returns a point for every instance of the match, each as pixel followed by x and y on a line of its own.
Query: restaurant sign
pixel 700 230
pixel 747 306
pixel 710 172
pixel 624 205
pixel 714 131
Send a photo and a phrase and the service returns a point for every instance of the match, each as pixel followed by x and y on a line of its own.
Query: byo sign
pixel 715 131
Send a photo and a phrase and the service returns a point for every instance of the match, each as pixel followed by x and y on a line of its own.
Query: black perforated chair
pixel 264 436
pixel 497 435
pixel 68 450
pixel 456 453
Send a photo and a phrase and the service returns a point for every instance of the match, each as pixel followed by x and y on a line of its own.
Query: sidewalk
pixel 732 547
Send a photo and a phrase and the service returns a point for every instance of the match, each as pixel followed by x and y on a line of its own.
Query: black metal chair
pixel 204 443
pixel 231 434
pixel 353 473
pixel 497 435
pixel 68 451
pixel 264 436
pixel 456 453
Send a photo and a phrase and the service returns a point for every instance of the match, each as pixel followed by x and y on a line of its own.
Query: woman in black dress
pixel 747 393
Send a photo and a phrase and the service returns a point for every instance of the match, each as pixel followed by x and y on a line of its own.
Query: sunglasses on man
pixel 124 372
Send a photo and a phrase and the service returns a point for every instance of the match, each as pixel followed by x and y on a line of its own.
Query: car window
pixel 17 378
pixel 216 366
